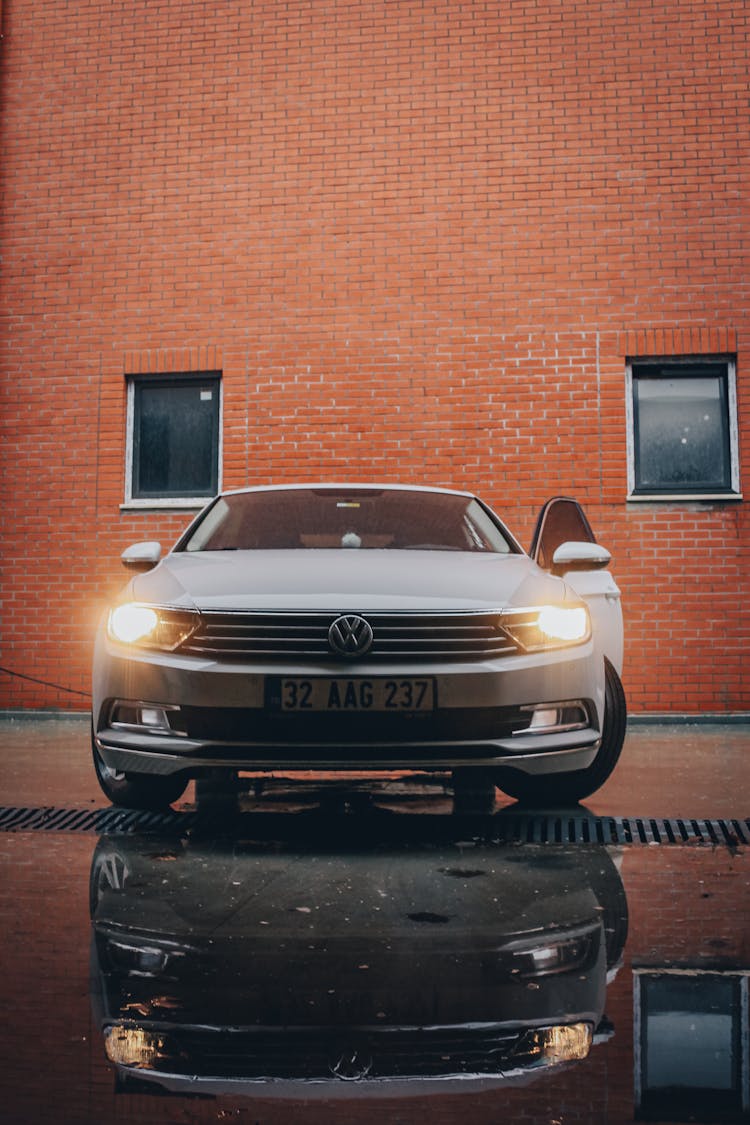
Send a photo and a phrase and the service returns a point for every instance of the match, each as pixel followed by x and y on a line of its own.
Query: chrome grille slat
pixel 289 635
pixel 246 651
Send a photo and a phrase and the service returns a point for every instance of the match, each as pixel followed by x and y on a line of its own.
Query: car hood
pixel 331 937
pixel 346 581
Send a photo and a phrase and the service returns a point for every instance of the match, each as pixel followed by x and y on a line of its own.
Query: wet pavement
pixel 359 951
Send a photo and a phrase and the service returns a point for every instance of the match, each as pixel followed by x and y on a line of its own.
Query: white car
pixel 367 627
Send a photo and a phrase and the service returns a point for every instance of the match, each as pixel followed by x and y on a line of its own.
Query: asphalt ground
pixel 311 907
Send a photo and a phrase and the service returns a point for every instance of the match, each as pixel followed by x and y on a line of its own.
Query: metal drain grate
pixel 90 820
pixel 542 828
pixel 561 829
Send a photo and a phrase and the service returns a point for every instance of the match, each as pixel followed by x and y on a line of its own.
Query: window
pixel 173 437
pixel 329 518
pixel 683 429
pixel 690 1045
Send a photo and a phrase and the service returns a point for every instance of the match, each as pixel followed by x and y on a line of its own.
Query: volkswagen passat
pixel 340 627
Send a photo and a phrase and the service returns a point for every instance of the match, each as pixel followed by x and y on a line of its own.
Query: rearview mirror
pixel 141 556
pixel 579 556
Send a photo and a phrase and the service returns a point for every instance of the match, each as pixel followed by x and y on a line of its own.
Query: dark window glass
pixel 691 1048
pixel 175 437
pixel 681 423
pixel 333 519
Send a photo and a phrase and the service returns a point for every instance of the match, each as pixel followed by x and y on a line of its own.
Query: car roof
pixel 347 486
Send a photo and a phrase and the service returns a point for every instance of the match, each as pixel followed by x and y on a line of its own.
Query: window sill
pixel 173 503
pixel 678 497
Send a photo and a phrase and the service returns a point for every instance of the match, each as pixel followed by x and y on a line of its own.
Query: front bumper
pixel 482 710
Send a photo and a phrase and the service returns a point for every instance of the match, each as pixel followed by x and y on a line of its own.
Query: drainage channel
pixel 541 828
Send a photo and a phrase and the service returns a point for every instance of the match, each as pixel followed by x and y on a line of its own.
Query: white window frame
pixel 175 502
pixel 733 435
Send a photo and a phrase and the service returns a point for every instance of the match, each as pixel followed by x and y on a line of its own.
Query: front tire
pixel 137 791
pixel 569 788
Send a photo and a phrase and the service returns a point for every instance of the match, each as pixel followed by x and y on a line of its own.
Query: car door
pixel 564 544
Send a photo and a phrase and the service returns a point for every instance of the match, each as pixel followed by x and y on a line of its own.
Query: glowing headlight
pixel 150 627
pixel 132 1046
pixel 547 626
pixel 547 1046
pixel 130 623
pixel 564 623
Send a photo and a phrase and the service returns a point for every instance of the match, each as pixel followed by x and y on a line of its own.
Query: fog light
pixel 153 718
pixel 555 719
pixel 544 718
pixel 137 960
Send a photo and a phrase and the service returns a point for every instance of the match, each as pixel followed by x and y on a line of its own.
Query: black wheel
pixel 569 788
pixel 598 868
pixel 109 874
pixel 137 791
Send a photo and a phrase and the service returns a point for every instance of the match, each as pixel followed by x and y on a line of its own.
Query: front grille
pixel 318 1054
pixel 304 636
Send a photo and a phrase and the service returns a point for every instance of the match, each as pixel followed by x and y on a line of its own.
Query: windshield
pixel 347 519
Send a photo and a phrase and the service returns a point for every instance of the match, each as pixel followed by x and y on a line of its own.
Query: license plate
pixel 340 694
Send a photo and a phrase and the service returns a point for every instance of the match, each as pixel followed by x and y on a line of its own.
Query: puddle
pixel 333 969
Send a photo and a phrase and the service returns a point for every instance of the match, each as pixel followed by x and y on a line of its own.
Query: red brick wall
pixel 419 239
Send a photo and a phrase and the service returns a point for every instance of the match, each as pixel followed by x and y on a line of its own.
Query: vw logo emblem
pixel 350 1065
pixel 350 636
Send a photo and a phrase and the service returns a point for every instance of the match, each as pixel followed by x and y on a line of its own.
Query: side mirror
pixel 579 556
pixel 141 556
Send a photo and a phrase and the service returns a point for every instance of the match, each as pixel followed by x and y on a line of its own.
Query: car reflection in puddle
pixel 316 952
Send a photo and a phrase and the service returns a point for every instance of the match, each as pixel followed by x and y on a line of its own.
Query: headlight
pixel 564 623
pixel 131 623
pixel 547 626
pixel 548 1046
pixel 150 626
pixel 133 1046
